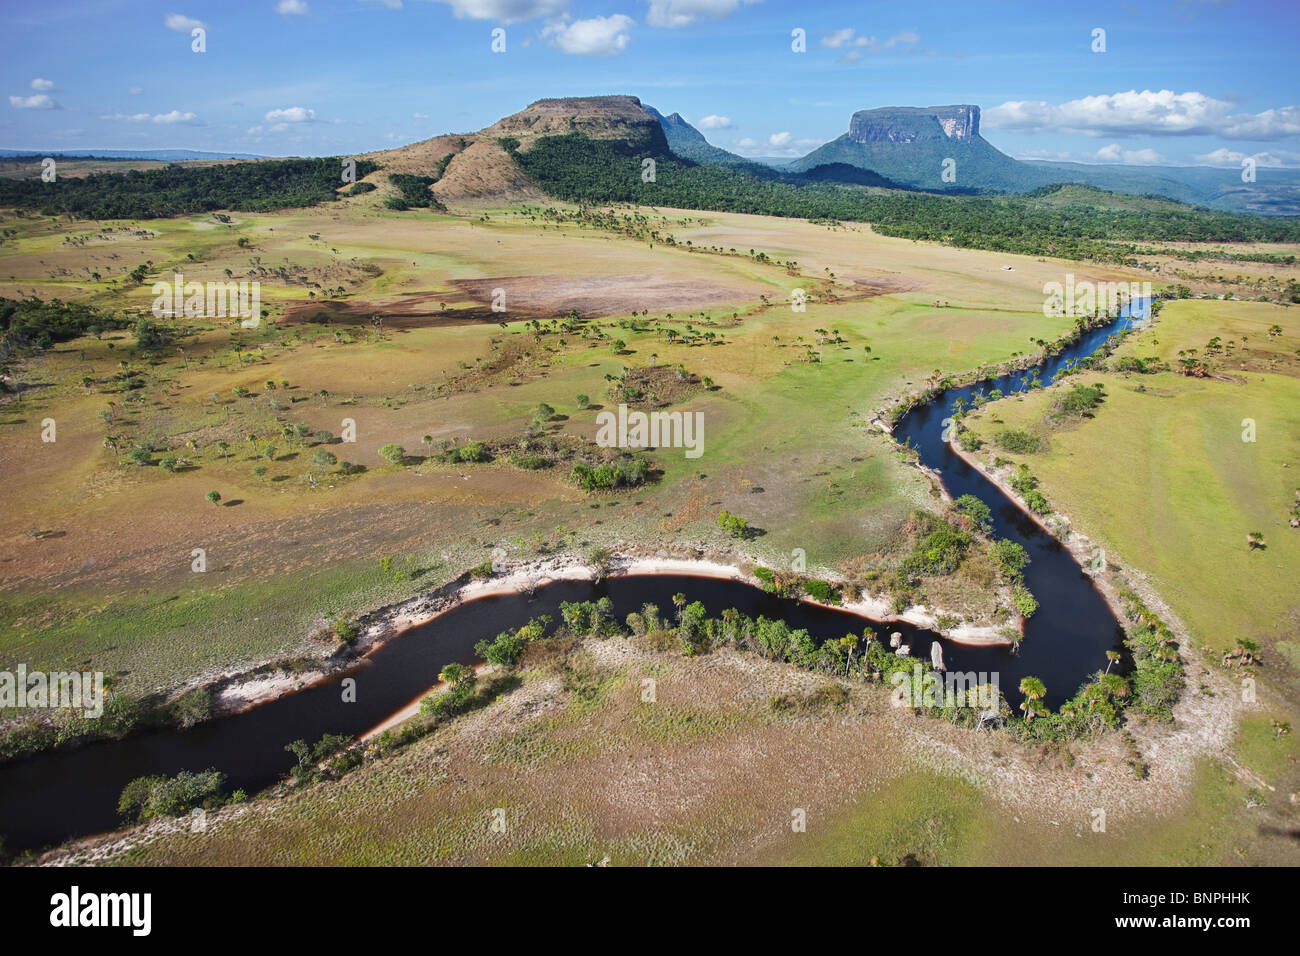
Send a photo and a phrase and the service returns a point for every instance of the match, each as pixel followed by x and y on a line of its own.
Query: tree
pixel 213 496
pixel 454 673
pixel 976 510
pixel 1255 540
pixel 395 454
pixel 734 525
pixel 583 400
pixel 1034 691
pixel 1112 658
pixel 323 458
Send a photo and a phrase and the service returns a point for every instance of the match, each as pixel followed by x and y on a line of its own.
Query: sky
pixel 1205 82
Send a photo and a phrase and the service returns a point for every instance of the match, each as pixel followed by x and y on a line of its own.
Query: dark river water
pixel 51 797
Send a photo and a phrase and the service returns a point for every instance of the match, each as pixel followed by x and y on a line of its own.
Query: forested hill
pixel 576 168
pixel 178 190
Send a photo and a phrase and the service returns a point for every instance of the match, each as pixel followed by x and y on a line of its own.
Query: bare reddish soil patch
pixel 596 296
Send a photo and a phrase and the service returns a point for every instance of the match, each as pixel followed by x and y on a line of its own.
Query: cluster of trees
pixel 412 192
pixel 577 168
pixel 180 190
pixel 628 472
pixel 146 798
pixel 33 323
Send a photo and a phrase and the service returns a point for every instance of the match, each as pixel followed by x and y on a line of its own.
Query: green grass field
pixel 1162 479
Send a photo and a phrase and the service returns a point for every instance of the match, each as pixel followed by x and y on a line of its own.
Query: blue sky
pixel 1181 81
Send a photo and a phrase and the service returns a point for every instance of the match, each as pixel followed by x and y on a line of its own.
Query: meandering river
pixel 51 797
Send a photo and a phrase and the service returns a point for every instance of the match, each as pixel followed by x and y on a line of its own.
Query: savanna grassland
pixel 787 444
pixel 385 318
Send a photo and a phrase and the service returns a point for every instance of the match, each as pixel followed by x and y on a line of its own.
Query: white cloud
pixel 162 119
pixel 840 38
pixel 505 11
pixel 291 114
pixel 713 121
pixel 680 13
pixel 182 24
pixel 1275 158
pixel 38 101
pixel 42 86
pixel 420 116
pixel 291 7
pixel 390 4
pixel 1136 157
pixel 1149 113
pixel 847 38
pixel 135 90
pixel 778 144
pixel 599 36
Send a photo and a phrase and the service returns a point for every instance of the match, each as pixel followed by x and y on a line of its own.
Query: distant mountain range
pixel 160 155
pixel 914 146
pixel 891 147
pixel 934 149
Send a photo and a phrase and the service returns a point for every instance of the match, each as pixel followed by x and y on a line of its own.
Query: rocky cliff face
pixel 600 117
pixel 906 124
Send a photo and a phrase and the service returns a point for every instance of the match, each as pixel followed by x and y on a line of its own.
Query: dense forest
pixel 576 168
pixel 178 190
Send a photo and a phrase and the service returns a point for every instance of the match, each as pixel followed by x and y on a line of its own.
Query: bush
pixel 1079 400
pixel 395 454
pixel 1024 600
pixel 1017 441
pixel 822 591
pixel 734 525
pixel 146 798
pixel 976 510
pixel 530 462
pixel 470 451
pixel 939 552
pixel 1011 557
pixel 628 472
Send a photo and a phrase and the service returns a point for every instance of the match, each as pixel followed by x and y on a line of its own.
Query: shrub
pixel 734 525
pixel 1079 400
pixel 939 552
pixel 976 510
pixel 1020 442
pixel 1024 600
pixel 822 591
pixel 146 798
pixel 1011 557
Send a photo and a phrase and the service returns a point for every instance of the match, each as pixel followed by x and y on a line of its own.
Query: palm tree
pixel 1112 657
pixel 1033 690
pixel 679 602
